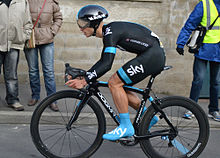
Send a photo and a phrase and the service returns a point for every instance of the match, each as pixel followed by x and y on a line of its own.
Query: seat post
pixel 149 85
pixel 151 81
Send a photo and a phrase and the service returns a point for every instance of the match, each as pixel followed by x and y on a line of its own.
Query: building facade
pixel 164 17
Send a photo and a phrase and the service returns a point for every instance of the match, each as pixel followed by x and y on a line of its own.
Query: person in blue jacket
pixel 209 52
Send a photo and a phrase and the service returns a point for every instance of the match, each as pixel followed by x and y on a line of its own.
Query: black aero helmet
pixel 91 16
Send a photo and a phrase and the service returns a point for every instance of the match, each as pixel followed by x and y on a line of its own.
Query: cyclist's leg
pixel 135 102
pixel 149 62
pixel 118 93
pixel 120 98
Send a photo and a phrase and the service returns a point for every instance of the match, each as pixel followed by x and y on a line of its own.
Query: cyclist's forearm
pixel 100 68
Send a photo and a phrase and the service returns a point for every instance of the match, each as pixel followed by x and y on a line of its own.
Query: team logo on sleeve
pixel 92 74
pixel 108 31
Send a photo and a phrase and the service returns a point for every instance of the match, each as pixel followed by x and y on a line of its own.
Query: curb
pixel 24 117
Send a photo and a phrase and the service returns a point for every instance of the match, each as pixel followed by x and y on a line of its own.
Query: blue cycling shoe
pixel 125 129
pixel 154 120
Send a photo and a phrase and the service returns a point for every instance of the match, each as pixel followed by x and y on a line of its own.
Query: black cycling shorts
pixel 150 62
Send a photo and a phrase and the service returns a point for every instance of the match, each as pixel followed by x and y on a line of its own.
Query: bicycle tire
pixel 192 135
pixel 49 132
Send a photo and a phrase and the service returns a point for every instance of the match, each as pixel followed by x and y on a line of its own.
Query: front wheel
pixel 49 129
pixel 191 136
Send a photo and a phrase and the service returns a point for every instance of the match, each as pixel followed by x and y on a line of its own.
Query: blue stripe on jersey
pixel 124 76
pixel 110 50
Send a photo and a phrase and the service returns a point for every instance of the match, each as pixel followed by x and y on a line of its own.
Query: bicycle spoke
pixel 85 131
pixel 51 122
pixel 82 137
pixel 52 135
pixel 186 138
pixel 78 144
pixel 70 149
pixel 51 129
pixel 56 141
pixel 62 143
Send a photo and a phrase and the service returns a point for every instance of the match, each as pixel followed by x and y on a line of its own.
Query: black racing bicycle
pixel 77 129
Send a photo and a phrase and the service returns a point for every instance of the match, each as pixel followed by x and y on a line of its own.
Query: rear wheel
pixel 49 129
pixel 191 137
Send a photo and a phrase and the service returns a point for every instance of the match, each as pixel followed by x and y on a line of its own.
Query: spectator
pixel 204 14
pixel 47 27
pixel 15 30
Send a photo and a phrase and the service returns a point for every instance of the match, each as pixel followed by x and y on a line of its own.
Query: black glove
pixel 180 50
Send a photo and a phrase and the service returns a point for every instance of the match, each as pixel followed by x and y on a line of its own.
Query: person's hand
pixel 77 83
pixel 180 50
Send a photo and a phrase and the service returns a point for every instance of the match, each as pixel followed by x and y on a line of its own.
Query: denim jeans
pixel 199 70
pixel 46 52
pixel 9 60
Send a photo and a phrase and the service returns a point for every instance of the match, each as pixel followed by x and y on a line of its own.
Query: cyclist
pixel 127 36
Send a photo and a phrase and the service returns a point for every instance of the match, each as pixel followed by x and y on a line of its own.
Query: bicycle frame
pixel 92 89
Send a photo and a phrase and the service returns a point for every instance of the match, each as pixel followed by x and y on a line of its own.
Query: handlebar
pixel 73 72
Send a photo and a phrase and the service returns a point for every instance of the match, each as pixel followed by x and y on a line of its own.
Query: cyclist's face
pixel 87 31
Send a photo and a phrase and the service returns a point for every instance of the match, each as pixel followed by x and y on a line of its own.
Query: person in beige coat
pixel 15 30
pixel 46 29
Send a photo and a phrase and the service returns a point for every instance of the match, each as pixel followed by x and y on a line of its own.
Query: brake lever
pixel 73 72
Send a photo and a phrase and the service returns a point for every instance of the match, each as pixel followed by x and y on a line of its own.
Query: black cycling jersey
pixel 131 37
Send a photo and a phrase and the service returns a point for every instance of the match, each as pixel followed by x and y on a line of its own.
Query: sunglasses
pixel 83 23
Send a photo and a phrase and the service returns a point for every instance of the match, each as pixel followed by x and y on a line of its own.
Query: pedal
pixel 127 139
pixel 114 141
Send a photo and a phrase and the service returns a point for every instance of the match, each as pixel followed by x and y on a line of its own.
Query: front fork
pixel 78 109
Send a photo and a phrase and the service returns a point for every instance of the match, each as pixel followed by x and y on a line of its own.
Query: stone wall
pixel 164 17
